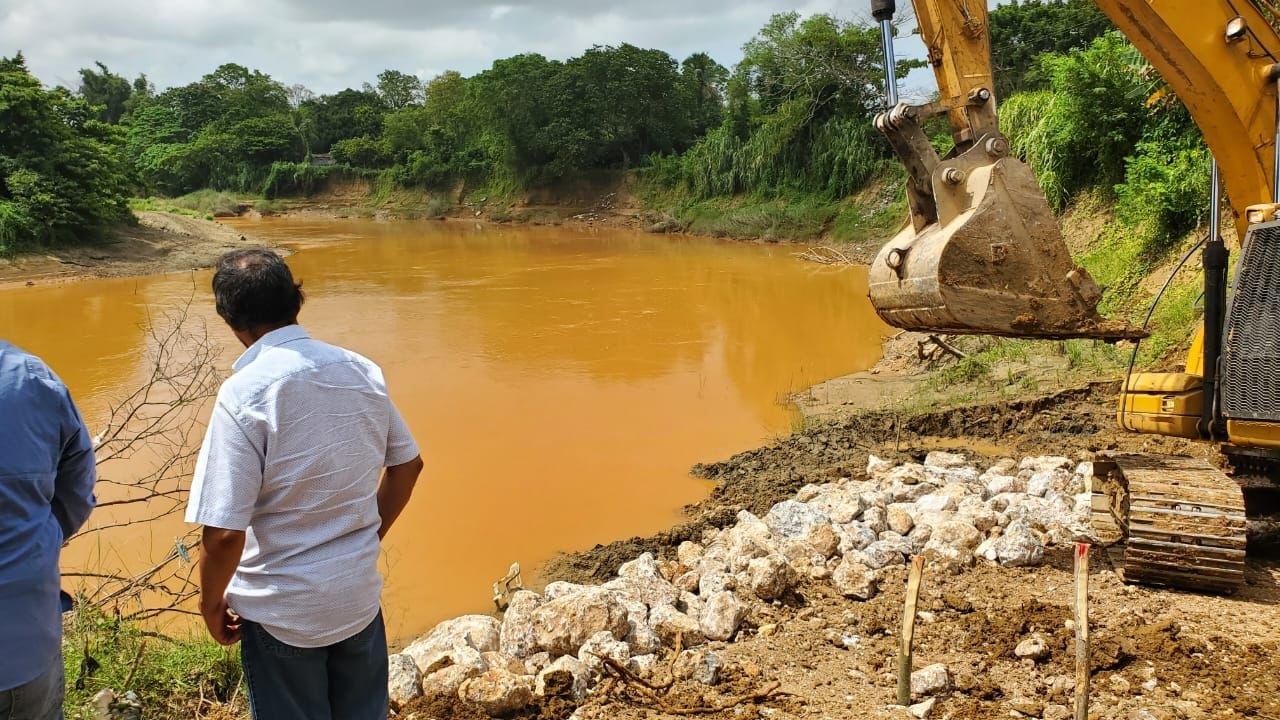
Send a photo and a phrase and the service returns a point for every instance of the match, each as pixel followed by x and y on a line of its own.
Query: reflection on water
pixel 560 381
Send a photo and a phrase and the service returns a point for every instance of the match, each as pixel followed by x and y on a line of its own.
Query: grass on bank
pixel 176 678
pixel 209 204
pixel 864 220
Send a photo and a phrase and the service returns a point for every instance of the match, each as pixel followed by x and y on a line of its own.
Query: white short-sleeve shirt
pixel 293 456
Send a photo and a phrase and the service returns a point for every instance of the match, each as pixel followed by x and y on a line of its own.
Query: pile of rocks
pixel 847 533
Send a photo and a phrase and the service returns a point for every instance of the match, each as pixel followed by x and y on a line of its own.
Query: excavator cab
pixel 982 252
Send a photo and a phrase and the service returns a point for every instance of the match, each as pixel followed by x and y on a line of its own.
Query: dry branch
pixel 825 255
pixel 154 433
pixel 622 678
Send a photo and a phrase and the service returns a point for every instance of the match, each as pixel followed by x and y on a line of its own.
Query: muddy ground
pixel 159 243
pixel 1158 653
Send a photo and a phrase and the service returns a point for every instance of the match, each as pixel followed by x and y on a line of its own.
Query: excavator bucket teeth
pixel 994 263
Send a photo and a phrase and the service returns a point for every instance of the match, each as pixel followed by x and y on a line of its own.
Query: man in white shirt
pixel 287 488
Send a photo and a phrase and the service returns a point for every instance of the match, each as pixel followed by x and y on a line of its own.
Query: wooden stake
pixel 1082 631
pixel 909 629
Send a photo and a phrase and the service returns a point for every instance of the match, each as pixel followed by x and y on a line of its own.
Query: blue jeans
pixel 40 699
pixel 344 681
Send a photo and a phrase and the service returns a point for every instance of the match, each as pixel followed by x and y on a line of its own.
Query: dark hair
pixel 253 288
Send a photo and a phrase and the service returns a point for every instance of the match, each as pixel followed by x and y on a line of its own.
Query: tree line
pixel 794 116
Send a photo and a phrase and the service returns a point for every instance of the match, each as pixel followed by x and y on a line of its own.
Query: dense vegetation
pixel 781 141
pixel 61 172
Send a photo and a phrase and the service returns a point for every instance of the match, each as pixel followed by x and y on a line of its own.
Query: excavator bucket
pixel 989 260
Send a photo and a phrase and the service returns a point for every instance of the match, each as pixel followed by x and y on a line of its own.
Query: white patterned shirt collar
pixel 275 338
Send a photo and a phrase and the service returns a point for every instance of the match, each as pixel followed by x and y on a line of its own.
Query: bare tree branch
pixel 145 456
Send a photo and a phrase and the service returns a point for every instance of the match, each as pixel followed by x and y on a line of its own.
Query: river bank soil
pixel 159 243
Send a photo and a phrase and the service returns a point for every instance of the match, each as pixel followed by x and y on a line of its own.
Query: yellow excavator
pixel 981 253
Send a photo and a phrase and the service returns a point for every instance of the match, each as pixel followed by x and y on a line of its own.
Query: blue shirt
pixel 47 474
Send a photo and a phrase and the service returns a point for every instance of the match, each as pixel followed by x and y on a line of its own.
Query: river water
pixel 560 381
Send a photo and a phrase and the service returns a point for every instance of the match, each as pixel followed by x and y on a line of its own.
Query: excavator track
pixel 1170 520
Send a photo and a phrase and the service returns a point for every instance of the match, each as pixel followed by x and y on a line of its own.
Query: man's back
pixel 46 493
pixel 296 445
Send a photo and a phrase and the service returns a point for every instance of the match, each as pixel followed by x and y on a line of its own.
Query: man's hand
pixel 220 552
pixel 394 491
pixel 223 625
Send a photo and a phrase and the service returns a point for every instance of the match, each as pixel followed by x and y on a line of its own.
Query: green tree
pixel 61 175
pixel 704 82
pixel 345 114
pixel 107 92
pixel 223 131
pixel 1078 133
pixel 399 89
pixel 1022 30
pixel 798 115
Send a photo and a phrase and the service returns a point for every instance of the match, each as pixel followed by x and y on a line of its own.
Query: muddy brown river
pixel 560 381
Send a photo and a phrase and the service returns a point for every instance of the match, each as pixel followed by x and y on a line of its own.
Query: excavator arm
pixel 982 253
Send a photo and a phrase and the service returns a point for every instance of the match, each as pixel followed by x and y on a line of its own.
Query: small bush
pixel 363 152
pixel 971 367
pixel 1166 188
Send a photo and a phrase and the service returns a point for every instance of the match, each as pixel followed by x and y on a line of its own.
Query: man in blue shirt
pixel 46 493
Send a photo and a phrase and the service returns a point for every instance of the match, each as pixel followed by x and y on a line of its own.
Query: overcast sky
pixel 328 45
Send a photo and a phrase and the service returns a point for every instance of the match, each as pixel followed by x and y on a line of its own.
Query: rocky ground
pixel 791 609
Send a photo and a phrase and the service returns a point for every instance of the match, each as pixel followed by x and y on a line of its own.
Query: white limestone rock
pixel 1018 546
pixel 875 519
pixel 854 536
pixel 898 517
pixel 1033 648
pixel 1045 463
pixel 771 577
pixel 404 680
pixel 480 632
pixel 877 467
pixel 701 665
pixel 561 588
pixel 689 553
pixel 641 580
pixel 603 645
pixel 795 520
pixel 944 460
pixel 908 474
pixel 935 502
pixel 537 662
pixel 498 692
pixel 670 624
pixel 853 579
pixel 930 680
pixel 562 625
pixel 722 614
pixel 877 555
pixel 516 636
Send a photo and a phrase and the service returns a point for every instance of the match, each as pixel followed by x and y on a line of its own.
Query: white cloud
pixel 328 45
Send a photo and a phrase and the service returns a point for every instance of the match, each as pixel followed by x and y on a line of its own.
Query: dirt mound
pixel 1170 654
